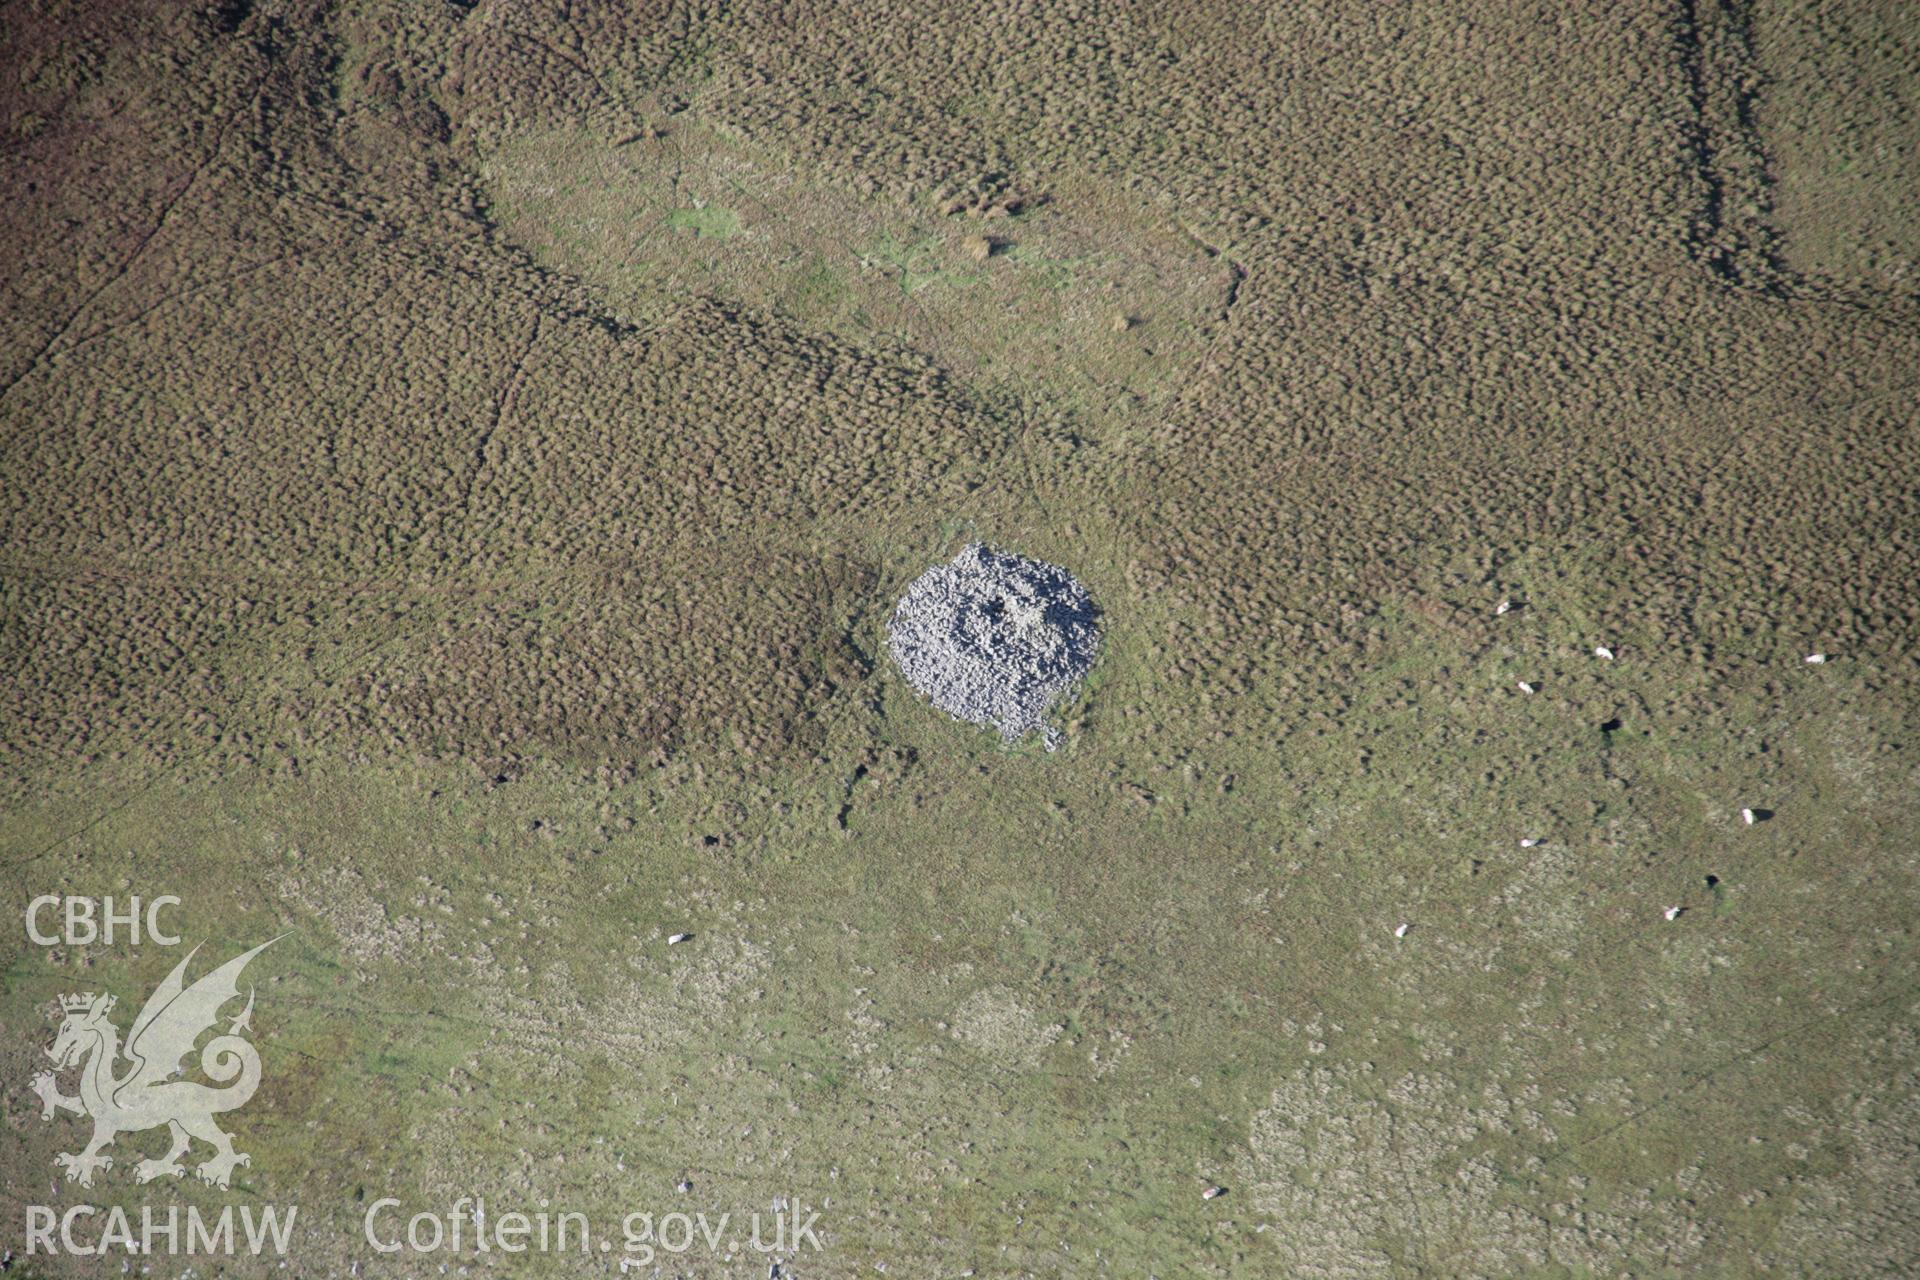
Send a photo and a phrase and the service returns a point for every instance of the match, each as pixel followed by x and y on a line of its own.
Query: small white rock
pixel 1815 659
pixel 1213 1193
pixel 1526 687
pixel 1503 606
pixel 1673 913
pixel 1601 651
pixel 675 939
pixel 1531 842
pixel 1401 932
pixel 1747 816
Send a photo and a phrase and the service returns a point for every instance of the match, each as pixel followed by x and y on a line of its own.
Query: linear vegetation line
pixel 324 679
pixel 1743 250
pixel 1674 1095
pixel 502 410
pixel 180 295
pixel 140 247
pixel 391 588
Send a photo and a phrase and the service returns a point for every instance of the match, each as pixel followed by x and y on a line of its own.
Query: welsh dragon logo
pixel 149 1092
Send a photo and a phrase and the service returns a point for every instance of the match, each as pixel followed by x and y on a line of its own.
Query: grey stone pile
pixel 995 638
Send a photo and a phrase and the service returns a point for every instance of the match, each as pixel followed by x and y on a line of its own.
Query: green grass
pixel 710 222
pixel 919 264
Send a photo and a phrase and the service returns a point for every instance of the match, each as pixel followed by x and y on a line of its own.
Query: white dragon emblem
pixel 148 1094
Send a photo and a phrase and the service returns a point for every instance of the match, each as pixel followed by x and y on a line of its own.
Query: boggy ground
pixel 460 458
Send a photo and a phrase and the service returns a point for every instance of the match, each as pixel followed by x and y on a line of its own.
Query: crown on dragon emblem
pixel 150 1092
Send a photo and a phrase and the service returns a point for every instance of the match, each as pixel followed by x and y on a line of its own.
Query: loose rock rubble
pixel 995 638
